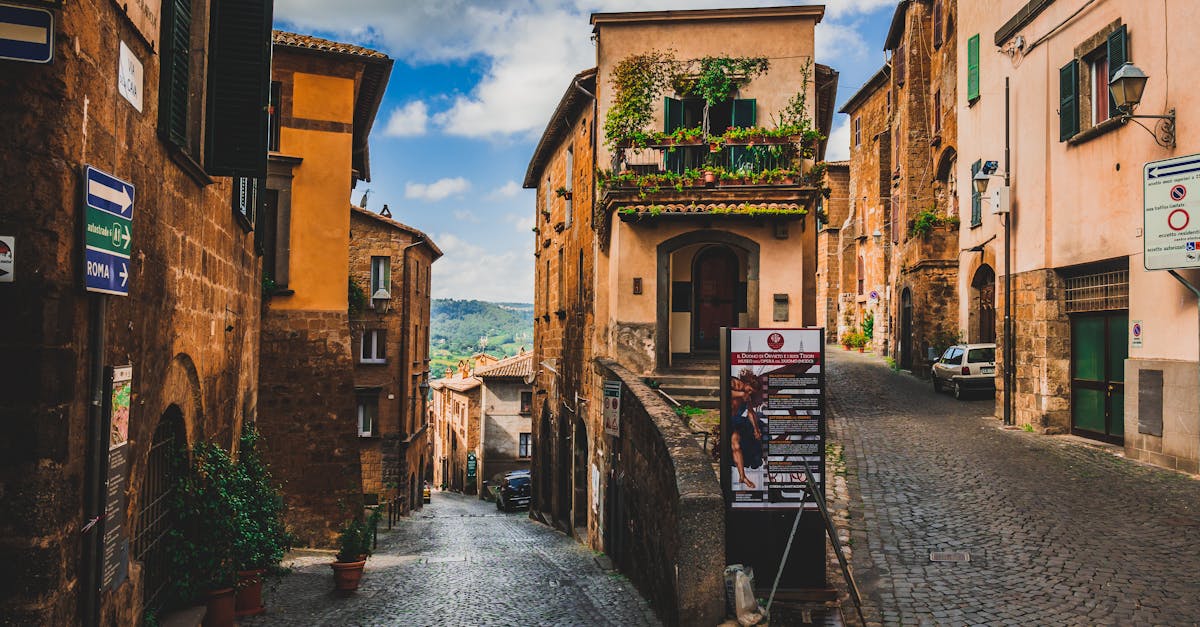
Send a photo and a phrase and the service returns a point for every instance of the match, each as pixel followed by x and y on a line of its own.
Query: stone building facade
pixel 829 248
pixel 189 325
pixel 925 216
pixel 455 412
pixel 390 333
pixel 506 421
pixel 326 95
pixel 642 278
pixel 866 236
pixel 1102 346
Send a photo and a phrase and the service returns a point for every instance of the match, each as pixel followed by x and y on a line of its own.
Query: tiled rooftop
pixel 515 366
pixel 296 40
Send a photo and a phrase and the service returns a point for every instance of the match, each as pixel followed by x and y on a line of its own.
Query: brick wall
pixel 193 274
pixel 667 514
pixel 308 421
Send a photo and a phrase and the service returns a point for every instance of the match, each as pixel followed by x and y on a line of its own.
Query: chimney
pixel 449 372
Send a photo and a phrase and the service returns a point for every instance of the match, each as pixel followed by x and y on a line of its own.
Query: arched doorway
pixel 562 505
pixel 165 463
pixel 714 289
pixel 983 305
pixel 906 360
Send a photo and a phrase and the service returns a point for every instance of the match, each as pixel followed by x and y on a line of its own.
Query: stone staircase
pixel 692 380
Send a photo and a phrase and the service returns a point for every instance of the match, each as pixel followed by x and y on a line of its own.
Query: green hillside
pixel 461 328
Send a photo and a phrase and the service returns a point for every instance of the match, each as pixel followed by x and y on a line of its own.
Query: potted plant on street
pixel 205 502
pixel 354 546
pixel 261 538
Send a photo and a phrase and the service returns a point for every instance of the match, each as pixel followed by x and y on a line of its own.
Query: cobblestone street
pixel 1060 532
pixel 461 562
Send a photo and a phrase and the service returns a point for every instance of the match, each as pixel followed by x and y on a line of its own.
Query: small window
pixel 888 103
pixel 371 347
pixel 381 275
pixel 526 402
pixel 276 113
pixel 246 198
pixel 525 446
pixel 567 183
pixel 861 272
pixel 368 408
pixel 858 131
pixel 937 112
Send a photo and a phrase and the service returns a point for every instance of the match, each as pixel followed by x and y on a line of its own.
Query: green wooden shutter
pixel 1068 100
pixel 239 88
pixel 673 119
pixel 976 197
pixel 1118 54
pixel 744 115
pixel 173 89
pixel 973 68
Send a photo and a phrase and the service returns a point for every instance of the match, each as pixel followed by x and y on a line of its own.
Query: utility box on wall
pixel 781 308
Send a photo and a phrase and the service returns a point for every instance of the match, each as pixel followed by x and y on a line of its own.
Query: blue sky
pixel 472 88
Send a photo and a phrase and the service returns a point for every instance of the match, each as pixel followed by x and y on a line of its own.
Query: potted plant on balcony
pixel 354 547
pixel 261 538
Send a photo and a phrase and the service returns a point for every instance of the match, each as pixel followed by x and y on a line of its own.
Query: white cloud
pixel 464 215
pixel 838 147
pixel 408 121
pixel 508 190
pixel 837 42
pixel 523 223
pixel 529 49
pixel 471 271
pixel 438 190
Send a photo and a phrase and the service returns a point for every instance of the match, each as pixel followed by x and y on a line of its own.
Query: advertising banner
pixel 775 416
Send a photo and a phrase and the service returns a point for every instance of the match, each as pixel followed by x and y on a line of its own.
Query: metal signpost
pixel 1171 219
pixel 26 34
pixel 772 428
pixel 108 230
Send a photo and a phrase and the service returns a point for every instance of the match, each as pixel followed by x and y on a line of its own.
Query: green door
pixel 1099 346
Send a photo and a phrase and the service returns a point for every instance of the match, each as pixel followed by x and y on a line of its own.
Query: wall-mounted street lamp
pixel 1127 86
pixel 380 300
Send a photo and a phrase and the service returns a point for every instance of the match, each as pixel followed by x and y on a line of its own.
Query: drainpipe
pixel 94 482
pixel 1009 340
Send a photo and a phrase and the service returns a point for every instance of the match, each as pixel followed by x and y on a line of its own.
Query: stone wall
pixel 669 534
pixel 1042 343
pixel 1172 438
pixel 307 416
pixel 189 326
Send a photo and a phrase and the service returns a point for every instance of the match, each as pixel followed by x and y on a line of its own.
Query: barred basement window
pixel 1105 291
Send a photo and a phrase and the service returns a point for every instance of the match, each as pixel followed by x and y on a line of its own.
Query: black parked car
pixel 515 491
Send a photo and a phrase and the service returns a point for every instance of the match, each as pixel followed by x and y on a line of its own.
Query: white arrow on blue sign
pixel 26 34
pixel 106 271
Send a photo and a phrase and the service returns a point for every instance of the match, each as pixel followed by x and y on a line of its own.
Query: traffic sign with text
pixel 26 34
pixel 108 232
pixel 1171 234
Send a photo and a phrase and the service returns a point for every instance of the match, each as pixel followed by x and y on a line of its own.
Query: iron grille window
pixel 1105 291
pixel 156 518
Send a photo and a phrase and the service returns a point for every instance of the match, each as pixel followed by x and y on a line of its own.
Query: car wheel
pixel 959 392
pixel 937 383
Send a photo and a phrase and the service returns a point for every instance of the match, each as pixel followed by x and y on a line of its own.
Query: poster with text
pixel 775 417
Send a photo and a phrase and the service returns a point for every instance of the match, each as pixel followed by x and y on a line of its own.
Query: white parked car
pixel 965 368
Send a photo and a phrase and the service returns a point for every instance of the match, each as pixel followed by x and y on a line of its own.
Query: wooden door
pixel 714 283
pixel 1099 346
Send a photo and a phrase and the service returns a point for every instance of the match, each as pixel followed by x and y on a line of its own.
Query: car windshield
pixel 980 355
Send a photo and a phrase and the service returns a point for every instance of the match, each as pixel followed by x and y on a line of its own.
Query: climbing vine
pixel 638 80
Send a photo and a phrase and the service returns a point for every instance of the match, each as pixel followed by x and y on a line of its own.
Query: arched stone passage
pixel 982 312
pixel 748 248
pixel 181 388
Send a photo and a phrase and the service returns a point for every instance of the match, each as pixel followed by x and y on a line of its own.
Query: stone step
pixel 691 390
pixel 703 402
pixel 707 380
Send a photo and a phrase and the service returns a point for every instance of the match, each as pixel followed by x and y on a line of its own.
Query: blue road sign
pixel 106 273
pixel 109 201
pixel 109 193
pixel 26 34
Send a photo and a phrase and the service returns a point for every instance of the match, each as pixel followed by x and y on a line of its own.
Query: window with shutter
pixel 744 115
pixel 937 24
pixel 1118 55
pixel 173 88
pixel 973 69
pixel 898 64
pixel 976 197
pixel 1068 100
pixel 673 119
pixel 239 86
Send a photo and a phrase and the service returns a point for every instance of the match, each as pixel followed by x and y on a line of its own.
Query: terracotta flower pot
pixel 248 601
pixel 710 177
pixel 220 612
pixel 846 346
pixel 861 349
pixel 347 575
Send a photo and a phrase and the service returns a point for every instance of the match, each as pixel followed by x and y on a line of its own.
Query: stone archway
pixel 906 330
pixel 181 388
pixel 662 339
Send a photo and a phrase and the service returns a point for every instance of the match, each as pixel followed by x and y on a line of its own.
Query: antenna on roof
pixel 385 212
pixel 362 202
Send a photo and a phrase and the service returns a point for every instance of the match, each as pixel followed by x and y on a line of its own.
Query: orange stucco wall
pixel 320 225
